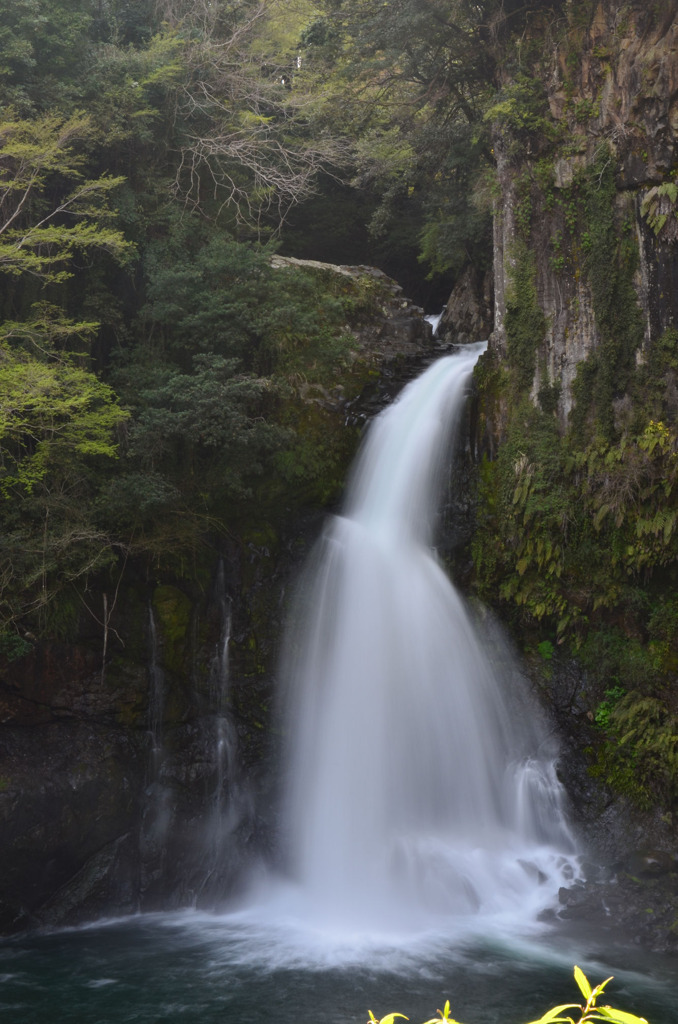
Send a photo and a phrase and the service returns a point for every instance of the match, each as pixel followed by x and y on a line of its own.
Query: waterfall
pixel 434 320
pixel 229 802
pixel 156 699
pixel 225 743
pixel 420 780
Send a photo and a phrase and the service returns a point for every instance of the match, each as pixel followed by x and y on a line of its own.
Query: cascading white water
pixel 419 783
pixel 222 741
pixel 230 802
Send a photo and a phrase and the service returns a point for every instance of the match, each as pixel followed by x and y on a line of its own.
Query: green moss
pixel 490 378
pixel 13 646
pixel 173 612
pixel 619 772
pixel 610 262
pixel 60 617
pixel 173 609
pixel 312 468
pixel 657 377
pixel 524 321
pixel 616 660
pixel 262 536
pixel 549 394
pixel 522 207
pixel 544 176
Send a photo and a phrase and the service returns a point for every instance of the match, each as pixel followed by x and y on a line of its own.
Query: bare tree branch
pixel 246 142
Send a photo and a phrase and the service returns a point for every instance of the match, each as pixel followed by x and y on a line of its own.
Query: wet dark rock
pixel 650 863
pixel 468 315
pixel 106 880
pixel 629 890
pixel 626 908
pixel 70 792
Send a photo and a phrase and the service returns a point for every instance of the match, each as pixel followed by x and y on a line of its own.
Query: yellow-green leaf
pixel 552 1016
pixel 583 983
pixel 618 1016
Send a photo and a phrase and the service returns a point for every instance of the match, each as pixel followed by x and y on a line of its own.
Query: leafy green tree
pixel 49 212
pixel 243 139
pixel 57 428
pixel 38 40
pixel 50 414
pixel 411 82
pixel 228 349
pixel 58 421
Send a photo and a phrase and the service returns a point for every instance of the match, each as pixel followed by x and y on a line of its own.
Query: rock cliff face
pixel 610 85
pixel 583 359
pixel 130 753
pixel 468 316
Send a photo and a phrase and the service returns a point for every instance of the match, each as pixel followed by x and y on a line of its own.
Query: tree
pixel 38 40
pixel 48 211
pixel 57 419
pixel 51 414
pixel 410 82
pixel 57 427
pixel 245 141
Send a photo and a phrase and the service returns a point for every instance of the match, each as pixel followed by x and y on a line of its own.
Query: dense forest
pixel 174 394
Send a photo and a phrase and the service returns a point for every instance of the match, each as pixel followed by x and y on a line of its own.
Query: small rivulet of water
pixel 421 784
pixel 229 802
pixel 225 743
pixel 156 697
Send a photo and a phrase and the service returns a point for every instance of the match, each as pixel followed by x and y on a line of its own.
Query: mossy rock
pixel 173 613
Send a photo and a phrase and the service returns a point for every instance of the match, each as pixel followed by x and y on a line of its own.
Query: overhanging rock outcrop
pixel 389 324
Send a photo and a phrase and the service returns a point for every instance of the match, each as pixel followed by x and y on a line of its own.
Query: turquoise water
pixel 219 970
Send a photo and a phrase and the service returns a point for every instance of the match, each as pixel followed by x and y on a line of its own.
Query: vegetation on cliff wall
pixel 577 513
